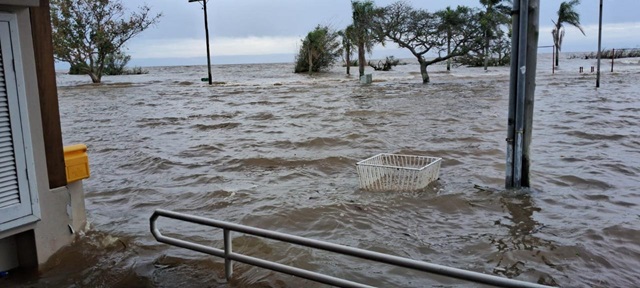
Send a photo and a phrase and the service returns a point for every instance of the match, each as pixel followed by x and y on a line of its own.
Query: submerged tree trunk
pixel 361 60
pixel 487 42
pixel 449 50
pixel 423 72
pixel 348 58
pixel 94 77
pixel 310 61
pixel 556 41
pixel 91 71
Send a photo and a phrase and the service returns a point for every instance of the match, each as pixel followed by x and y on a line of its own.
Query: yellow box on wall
pixel 76 162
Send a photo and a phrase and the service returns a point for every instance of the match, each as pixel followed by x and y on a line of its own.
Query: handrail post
pixel 228 264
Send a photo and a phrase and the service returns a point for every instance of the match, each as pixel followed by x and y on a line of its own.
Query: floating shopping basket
pixel 393 172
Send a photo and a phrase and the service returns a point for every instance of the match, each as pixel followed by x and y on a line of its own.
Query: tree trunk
pixel 487 42
pixel 310 61
pixel 361 60
pixel 95 78
pixel 348 62
pixel 423 72
pixel 448 50
pixel 557 55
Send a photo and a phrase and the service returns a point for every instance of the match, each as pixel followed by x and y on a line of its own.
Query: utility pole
pixel 599 46
pixel 206 29
pixel 524 42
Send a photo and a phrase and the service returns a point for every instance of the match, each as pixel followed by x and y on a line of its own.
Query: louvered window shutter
pixel 15 198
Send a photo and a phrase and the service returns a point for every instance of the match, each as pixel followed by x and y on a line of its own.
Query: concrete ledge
pixel 65 216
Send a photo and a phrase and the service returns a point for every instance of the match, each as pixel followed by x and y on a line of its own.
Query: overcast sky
pixel 244 31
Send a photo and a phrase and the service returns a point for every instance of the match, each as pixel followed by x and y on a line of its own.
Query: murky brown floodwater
pixel 277 150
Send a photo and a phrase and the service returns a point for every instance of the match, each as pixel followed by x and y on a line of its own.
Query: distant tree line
pixel 472 36
pixel 469 36
pixel 610 54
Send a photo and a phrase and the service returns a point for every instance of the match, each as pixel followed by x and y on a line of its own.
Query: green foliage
pixel 451 20
pixel 115 63
pixel 87 32
pixel 363 35
pixel 608 54
pixel 494 21
pixel 475 59
pixel 348 45
pixel 566 15
pixel 422 32
pixel 78 69
pixel 320 50
pixel 495 27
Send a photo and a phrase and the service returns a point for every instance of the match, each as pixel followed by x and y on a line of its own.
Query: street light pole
pixel 599 46
pixel 206 29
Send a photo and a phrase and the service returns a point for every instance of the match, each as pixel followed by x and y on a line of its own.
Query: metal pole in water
pixel 515 22
pixel 520 95
pixel 599 46
pixel 206 28
pixel 521 91
pixel 530 86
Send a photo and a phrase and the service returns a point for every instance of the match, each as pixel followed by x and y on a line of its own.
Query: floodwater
pixel 276 150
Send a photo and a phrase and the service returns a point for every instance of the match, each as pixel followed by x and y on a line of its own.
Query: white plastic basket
pixel 393 172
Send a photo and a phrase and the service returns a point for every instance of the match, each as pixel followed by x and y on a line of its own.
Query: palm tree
pixel 495 14
pixel 363 13
pixel 347 45
pixel 452 20
pixel 566 14
pixel 320 48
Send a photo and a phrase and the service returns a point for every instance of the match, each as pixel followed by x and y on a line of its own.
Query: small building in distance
pixel 40 212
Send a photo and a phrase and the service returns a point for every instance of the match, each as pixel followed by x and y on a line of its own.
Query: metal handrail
pixel 230 256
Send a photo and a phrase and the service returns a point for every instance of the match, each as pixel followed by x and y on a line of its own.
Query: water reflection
pixel 523 236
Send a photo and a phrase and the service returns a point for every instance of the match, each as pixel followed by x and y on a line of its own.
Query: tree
pixel 494 15
pixel 347 45
pixel 319 50
pixel 451 20
pixel 568 15
pixel 87 32
pixel 115 63
pixel 363 14
pixel 422 32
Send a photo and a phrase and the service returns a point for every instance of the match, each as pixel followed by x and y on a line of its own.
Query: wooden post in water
pixel 521 93
pixel 613 56
pixel 599 46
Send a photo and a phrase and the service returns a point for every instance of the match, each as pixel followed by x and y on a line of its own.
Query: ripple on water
pixel 283 157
